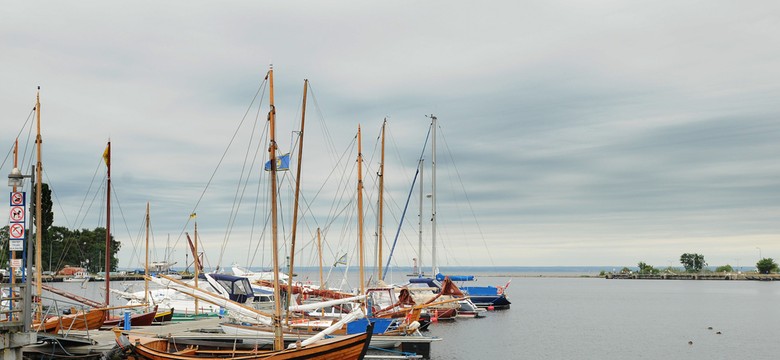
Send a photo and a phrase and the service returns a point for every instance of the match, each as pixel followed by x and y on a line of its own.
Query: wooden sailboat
pixel 349 347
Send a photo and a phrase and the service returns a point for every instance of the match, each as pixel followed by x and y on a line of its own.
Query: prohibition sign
pixel 16 231
pixel 17 199
pixel 17 214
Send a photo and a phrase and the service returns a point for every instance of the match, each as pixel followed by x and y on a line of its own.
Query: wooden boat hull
pixel 144 319
pixel 91 320
pixel 163 316
pixel 352 347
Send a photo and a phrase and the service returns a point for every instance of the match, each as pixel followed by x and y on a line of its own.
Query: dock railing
pixel 11 307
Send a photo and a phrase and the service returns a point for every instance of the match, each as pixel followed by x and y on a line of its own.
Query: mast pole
pixel 420 222
pixel 146 262
pixel 108 225
pixel 277 321
pixel 433 198
pixel 38 220
pixel 197 265
pixel 360 212
pixel 319 251
pixel 295 208
pixel 381 198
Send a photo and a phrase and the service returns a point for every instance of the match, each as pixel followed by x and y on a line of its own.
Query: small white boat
pixel 78 277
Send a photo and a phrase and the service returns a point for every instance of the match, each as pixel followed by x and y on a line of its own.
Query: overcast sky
pixel 583 133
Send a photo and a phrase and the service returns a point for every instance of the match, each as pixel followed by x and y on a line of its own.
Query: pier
pixel 696 276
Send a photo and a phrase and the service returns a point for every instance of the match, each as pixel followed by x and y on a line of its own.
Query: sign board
pixel 16 263
pixel 16 245
pixel 17 214
pixel 17 198
pixel 16 231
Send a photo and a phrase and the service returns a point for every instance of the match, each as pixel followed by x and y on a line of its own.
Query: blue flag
pixel 282 163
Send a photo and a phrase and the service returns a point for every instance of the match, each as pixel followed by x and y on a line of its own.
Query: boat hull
pixel 352 347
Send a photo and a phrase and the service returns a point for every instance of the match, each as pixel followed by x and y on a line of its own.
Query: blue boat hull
pixel 486 296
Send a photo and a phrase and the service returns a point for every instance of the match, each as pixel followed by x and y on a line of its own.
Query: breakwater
pixel 697 276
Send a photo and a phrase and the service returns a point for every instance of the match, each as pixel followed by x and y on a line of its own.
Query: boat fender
pixel 414 325
pixel 124 342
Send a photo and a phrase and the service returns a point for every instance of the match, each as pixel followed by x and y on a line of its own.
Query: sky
pixel 569 132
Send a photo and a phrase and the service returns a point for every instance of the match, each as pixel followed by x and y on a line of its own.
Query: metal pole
pixel 27 307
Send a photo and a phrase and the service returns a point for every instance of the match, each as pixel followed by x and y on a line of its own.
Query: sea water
pixel 573 317
pixel 595 318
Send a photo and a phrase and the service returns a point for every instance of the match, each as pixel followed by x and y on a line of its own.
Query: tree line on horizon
pixel 694 263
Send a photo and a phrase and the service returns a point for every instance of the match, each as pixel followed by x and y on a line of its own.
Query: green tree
pixel 724 268
pixel 692 262
pixel 646 269
pixel 61 246
pixel 766 266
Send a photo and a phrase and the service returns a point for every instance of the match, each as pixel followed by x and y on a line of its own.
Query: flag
pixel 282 163
pixel 193 215
pixel 342 260
pixel 107 154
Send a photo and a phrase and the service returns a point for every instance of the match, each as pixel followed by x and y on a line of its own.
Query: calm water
pixel 581 318
pixel 593 318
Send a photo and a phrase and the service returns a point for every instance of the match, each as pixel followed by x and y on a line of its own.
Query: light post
pixel 15 179
pixel 759 253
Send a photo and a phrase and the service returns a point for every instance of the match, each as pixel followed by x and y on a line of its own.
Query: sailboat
pixel 352 347
pixel 491 297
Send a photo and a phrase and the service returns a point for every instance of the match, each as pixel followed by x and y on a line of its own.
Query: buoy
pixel 718 332
pixel 491 308
pixel 709 328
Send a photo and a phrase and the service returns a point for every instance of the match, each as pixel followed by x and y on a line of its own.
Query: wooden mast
pixel 277 321
pixel 146 262
pixel 319 251
pixel 381 199
pixel 295 206
pixel 360 212
pixel 107 158
pixel 38 220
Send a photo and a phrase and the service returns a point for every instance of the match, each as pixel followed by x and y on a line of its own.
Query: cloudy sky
pixel 570 133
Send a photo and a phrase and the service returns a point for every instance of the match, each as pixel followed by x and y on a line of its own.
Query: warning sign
pixel 17 214
pixel 17 198
pixel 16 245
pixel 16 263
pixel 16 231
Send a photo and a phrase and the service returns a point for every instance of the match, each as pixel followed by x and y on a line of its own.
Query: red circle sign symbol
pixel 17 231
pixel 17 213
pixel 17 198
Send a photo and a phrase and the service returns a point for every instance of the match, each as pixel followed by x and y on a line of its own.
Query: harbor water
pixel 554 317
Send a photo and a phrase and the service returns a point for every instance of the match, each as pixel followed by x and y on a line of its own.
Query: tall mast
pixel 38 220
pixel 146 262
pixel 381 198
pixel 295 208
pixel 433 198
pixel 420 222
pixel 197 264
pixel 277 321
pixel 319 251
pixel 360 211
pixel 107 157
